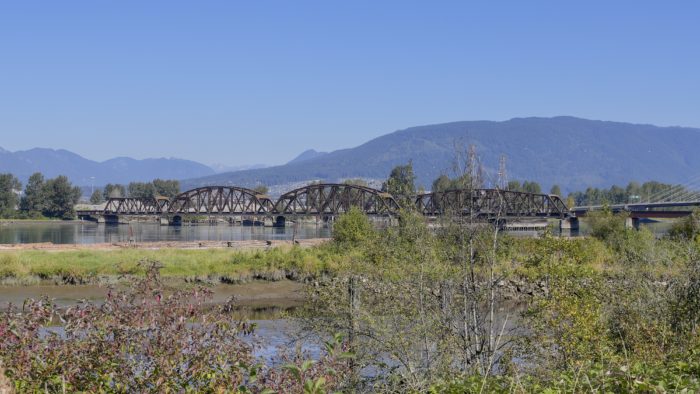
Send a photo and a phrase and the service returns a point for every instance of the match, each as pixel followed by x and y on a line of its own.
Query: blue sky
pixel 261 81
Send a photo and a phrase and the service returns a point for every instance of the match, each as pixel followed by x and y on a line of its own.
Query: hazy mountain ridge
pixel 54 162
pixel 572 152
pixel 307 155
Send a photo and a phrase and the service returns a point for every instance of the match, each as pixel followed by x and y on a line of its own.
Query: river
pixel 84 232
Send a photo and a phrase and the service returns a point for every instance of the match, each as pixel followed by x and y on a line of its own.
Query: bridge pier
pixel 632 223
pixel 570 223
pixel 164 221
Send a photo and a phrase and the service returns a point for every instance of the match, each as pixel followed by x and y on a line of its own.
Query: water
pixel 83 232
pixel 267 304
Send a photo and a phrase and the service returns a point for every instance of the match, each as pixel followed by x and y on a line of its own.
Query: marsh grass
pixel 84 266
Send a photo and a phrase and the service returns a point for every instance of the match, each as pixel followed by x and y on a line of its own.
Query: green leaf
pixel 294 370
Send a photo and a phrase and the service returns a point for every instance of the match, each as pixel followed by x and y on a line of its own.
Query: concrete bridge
pixel 639 211
pixel 326 201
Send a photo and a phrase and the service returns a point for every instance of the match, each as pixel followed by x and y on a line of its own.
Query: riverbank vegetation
pixel 433 310
pixel 457 308
pixel 203 265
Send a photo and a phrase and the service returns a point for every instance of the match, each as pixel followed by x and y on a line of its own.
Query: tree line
pixel 401 184
pixel 633 192
pixel 57 197
pixel 53 198
pixel 168 188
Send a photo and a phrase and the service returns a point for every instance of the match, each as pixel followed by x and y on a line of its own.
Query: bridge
pixel 646 210
pixel 326 201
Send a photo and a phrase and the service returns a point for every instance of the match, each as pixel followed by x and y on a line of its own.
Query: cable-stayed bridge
pixel 672 202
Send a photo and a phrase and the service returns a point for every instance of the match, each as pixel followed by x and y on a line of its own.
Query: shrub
pixel 352 228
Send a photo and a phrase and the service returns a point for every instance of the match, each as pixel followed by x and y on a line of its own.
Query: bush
pixel 686 228
pixel 352 228
pixel 148 338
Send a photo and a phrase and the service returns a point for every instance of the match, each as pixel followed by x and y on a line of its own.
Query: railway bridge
pixel 325 201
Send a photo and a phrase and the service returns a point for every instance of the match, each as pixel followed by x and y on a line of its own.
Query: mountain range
pixel 84 172
pixel 571 152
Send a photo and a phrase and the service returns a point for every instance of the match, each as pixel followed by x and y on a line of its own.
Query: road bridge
pixel 638 211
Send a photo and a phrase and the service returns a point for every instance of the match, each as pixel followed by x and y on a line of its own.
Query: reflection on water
pixel 81 232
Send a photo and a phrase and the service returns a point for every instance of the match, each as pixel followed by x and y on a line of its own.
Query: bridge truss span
pixel 136 206
pixel 221 200
pixel 330 199
pixel 491 203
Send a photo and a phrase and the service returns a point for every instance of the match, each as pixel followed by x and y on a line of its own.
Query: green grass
pixel 85 265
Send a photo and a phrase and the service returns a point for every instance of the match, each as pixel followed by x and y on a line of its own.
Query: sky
pixel 260 81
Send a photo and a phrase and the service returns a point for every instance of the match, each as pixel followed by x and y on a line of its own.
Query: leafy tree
pixel 9 185
pixel 556 190
pixel 532 187
pixel 97 197
pixel 444 183
pixel 34 198
pixel 352 228
pixel 605 225
pixel 166 187
pixel 687 227
pixel 261 189
pixel 441 183
pixel 401 184
pixel 514 186
pixel 114 191
pixel 61 197
pixel 356 182
pixel 141 190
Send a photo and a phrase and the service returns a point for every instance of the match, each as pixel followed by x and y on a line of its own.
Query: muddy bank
pixel 237 245
pixel 283 294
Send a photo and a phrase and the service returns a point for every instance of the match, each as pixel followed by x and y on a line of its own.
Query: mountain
pixel 572 152
pixel 82 171
pixel 218 167
pixel 307 155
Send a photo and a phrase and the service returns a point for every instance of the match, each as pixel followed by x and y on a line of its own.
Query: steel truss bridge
pixel 327 200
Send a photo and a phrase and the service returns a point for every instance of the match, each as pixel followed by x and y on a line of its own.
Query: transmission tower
pixel 502 182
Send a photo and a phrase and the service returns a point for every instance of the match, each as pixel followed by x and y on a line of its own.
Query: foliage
pixel 9 186
pixel 214 265
pixel 687 227
pixel 444 183
pixel 141 190
pixel 149 338
pixel 166 187
pixel 556 190
pixel 352 228
pixel 401 184
pixel 427 308
pixel 113 191
pixel 356 182
pixel 605 225
pixel 261 189
pixel 34 199
pixel 157 188
pixel 97 197
pixel 60 198
pixel 633 192
pixel 526 186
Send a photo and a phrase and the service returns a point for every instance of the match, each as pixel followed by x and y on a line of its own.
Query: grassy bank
pixel 84 266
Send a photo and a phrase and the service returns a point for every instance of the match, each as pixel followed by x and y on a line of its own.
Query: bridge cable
pixel 675 189
pixel 683 191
